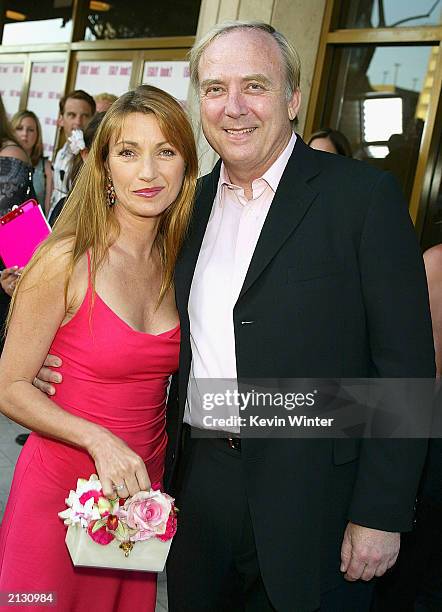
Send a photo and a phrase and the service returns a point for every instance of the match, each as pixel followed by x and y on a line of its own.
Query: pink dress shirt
pixel 229 242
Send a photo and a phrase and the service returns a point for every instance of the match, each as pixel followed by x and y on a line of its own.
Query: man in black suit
pixel 298 264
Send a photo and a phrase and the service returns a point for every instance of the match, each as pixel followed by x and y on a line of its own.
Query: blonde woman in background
pixel 28 132
pixel 104 101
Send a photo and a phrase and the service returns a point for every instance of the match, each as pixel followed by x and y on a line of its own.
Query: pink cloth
pixel 115 376
pixel 231 235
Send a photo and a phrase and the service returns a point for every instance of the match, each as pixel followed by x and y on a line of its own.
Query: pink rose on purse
pixel 149 517
pixel 148 512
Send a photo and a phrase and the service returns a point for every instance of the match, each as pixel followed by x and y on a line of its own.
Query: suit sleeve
pixel 399 328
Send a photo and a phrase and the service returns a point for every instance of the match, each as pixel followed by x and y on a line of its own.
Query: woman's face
pixel 323 144
pixel 27 133
pixel 147 171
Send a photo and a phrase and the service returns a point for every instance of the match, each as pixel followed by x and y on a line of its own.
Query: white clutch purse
pixel 131 534
pixel 147 556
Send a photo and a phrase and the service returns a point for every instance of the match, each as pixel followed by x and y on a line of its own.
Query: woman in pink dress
pixel 98 294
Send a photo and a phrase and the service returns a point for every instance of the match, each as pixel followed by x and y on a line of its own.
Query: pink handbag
pixel 21 231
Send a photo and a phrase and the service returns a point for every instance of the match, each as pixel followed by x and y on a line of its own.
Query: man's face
pixel 245 113
pixel 76 116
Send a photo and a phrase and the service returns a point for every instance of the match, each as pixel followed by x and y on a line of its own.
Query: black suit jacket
pixel 336 288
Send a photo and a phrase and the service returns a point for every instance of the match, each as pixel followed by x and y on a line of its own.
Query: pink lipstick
pixel 148 192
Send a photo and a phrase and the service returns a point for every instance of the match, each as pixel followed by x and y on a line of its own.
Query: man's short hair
pixel 78 94
pixel 289 54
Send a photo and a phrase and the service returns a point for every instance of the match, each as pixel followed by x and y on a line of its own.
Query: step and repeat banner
pixel 11 83
pixel 47 79
pixel 173 77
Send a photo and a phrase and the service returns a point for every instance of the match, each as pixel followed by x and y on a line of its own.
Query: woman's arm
pixel 433 268
pixel 9 278
pixel 49 185
pixel 39 312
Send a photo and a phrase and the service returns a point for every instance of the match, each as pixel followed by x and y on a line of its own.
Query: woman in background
pixel 28 132
pixel 331 141
pixel 15 188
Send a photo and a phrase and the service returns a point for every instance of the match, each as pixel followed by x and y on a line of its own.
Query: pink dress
pixel 115 376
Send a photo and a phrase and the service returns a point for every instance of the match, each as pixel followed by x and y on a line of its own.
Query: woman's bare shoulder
pixel 53 263
pixel 10 149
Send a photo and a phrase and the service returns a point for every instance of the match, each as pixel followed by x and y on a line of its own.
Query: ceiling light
pixel 96 5
pixel 15 16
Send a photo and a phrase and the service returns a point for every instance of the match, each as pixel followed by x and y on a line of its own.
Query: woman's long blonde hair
pixel 89 222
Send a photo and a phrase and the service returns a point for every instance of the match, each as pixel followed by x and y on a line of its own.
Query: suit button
pixel 247 322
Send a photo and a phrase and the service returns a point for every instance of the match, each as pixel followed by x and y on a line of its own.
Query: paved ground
pixel 9 452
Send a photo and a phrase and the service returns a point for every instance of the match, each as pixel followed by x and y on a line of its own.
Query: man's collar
pixel 272 176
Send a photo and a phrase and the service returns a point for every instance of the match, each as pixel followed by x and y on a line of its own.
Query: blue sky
pixel 413 60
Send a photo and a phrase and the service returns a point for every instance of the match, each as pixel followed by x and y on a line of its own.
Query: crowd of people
pixel 26 173
pixel 285 262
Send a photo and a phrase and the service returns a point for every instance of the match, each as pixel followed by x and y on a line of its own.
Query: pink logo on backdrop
pixel 4 69
pixel 186 72
pixel 17 69
pixel 124 71
pixel 166 72
pixel 152 71
pixel 95 70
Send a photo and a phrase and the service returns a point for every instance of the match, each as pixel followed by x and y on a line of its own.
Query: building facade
pixel 370 68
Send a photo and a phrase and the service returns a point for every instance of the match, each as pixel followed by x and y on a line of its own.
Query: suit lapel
pixel 291 202
pixel 187 261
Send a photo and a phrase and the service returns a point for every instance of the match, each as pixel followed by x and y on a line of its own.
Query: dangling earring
pixel 110 192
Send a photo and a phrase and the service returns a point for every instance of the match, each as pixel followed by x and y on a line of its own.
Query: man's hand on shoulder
pixel 46 375
pixel 367 552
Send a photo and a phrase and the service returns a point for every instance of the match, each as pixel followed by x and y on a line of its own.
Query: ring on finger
pixel 119 487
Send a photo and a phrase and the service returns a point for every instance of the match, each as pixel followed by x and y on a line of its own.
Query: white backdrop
pixel 11 82
pixel 103 76
pixel 171 76
pixel 47 80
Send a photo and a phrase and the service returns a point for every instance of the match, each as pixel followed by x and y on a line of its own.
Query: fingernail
pixel 57 377
pixel 51 391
